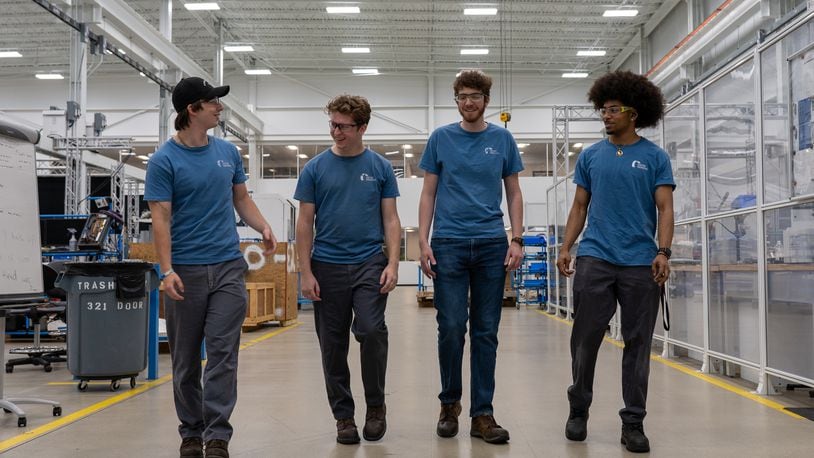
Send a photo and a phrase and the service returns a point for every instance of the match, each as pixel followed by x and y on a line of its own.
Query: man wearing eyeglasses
pixel 350 191
pixel 628 182
pixel 194 184
pixel 465 164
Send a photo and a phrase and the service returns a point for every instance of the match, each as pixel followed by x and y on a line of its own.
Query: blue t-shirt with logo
pixel 198 183
pixel 622 217
pixel 347 193
pixel 470 168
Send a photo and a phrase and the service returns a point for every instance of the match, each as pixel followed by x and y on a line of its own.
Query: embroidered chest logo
pixel 489 151
pixel 638 165
pixel 224 164
pixel 366 177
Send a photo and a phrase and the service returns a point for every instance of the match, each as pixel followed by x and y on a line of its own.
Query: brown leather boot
pixel 346 432
pixel 448 420
pixel 375 423
pixel 485 427
pixel 191 447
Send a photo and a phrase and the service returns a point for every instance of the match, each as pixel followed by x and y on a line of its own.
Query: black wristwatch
pixel 666 252
pixel 518 240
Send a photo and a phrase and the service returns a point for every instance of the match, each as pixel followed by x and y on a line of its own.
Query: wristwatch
pixel 518 240
pixel 666 252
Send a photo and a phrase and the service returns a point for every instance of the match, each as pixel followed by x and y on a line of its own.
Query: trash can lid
pixel 135 266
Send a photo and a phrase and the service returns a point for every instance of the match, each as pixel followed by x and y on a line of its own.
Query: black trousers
pixel 351 301
pixel 598 285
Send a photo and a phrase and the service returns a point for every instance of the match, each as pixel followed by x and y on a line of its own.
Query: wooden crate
pixel 424 299
pixel 262 304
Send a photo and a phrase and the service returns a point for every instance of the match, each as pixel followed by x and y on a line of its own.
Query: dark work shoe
pixel 191 447
pixel 346 432
pixel 576 428
pixel 217 448
pixel 634 439
pixel 485 427
pixel 375 423
pixel 448 420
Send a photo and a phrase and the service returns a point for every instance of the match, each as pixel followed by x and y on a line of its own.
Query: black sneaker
pixel 634 439
pixel 576 428
pixel 216 448
pixel 191 447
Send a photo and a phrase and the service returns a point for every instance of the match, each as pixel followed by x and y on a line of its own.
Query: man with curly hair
pixel 628 182
pixel 350 192
pixel 465 164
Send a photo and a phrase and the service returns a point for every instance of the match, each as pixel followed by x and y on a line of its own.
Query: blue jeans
pixel 469 269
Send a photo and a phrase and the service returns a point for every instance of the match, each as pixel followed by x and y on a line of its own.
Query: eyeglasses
pixel 476 97
pixel 614 110
pixel 341 127
pixel 215 101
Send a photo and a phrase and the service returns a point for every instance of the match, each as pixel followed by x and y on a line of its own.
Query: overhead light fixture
pixel 413 176
pixel 591 53
pixel 143 157
pixel 578 145
pixel 257 71
pixel 480 11
pixel 302 156
pixel 266 155
pixel 293 147
pixel 522 152
pixel 238 147
pixel 238 48
pixel 246 156
pixel 342 9
pixel 365 71
pixel 570 153
pixel 620 13
pixel 522 145
pixel 10 54
pixel 408 154
pixel 575 75
pixel 407 146
pixel 205 6
pixel 390 153
pixel 355 50
pixel 474 51
pixel 49 76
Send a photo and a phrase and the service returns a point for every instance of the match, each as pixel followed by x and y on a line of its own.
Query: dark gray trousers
pixel 351 301
pixel 212 311
pixel 598 285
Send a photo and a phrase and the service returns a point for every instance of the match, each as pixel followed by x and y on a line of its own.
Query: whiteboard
pixel 20 256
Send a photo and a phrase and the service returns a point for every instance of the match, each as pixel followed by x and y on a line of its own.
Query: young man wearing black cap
pixel 194 183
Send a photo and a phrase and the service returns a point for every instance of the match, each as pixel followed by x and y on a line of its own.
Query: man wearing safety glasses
pixel 465 165
pixel 350 192
pixel 628 182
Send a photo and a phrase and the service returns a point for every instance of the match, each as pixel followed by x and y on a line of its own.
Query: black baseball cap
pixel 190 90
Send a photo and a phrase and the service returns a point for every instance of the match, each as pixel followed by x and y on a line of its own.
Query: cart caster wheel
pixel 114 385
pixel 9 369
pixel 48 368
pixel 21 422
pixel 132 382
pixel 57 411
pixel 83 385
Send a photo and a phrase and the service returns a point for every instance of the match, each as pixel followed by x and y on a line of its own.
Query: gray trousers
pixel 351 301
pixel 598 285
pixel 212 312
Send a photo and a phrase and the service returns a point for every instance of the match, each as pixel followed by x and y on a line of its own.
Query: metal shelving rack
pixel 531 279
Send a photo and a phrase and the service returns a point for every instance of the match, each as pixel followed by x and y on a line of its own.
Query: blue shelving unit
pixel 531 279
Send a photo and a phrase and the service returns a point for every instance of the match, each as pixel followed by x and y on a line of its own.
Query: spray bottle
pixel 72 244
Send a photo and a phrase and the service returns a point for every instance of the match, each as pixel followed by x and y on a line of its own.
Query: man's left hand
pixel 514 256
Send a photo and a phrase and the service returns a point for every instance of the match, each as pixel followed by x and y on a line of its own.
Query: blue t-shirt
pixel 622 211
pixel 198 182
pixel 347 193
pixel 470 168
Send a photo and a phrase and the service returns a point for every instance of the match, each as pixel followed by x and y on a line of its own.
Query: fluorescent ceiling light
pixel 49 76
pixel 591 53
pixel 522 152
pixel 522 145
pixel 267 155
pixel 570 153
pixel 365 71
pixel 575 75
pixel 390 153
pixel 480 11
pixel 238 48
pixel 143 157
pixel 355 50
pixel 471 51
pixel 10 54
pixel 577 145
pixel 408 154
pixel 246 156
pixel 257 71
pixel 293 147
pixel 413 176
pixel 407 146
pixel 206 6
pixel 302 156
pixel 342 9
pixel 620 13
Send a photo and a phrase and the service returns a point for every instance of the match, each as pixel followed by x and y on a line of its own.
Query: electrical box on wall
pixel 805 123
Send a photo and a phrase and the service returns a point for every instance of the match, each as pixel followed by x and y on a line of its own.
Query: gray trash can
pixel 107 317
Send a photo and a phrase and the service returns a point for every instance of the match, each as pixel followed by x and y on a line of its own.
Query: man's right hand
pixel 427 260
pixel 564 263
pixel 174 287
pixel 309 286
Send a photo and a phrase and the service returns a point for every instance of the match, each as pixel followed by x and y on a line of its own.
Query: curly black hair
pixel 632 90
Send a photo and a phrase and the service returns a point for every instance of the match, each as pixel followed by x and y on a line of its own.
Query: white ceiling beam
pixel 142 31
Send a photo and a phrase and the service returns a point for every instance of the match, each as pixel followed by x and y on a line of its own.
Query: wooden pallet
pixel 424 299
